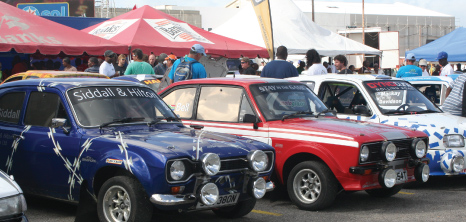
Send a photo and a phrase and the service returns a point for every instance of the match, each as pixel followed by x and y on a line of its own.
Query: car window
pixel 310 84
pixel 31 77
pixel 219 103
pixel 10 106
pixel 14 79
pixel 341 97
pixel 245 108
pixel 38 114
pixel 182 101
pixel 431 91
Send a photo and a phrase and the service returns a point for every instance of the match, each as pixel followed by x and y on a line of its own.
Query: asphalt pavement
pixel 441 199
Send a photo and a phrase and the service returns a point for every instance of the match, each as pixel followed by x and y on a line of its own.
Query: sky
pixel 450 7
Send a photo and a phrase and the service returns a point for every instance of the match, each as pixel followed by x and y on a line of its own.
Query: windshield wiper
pixel 123 120
pixel 399 112
pixel 296 113
pixel 323 111
pixel 169 119
pixel 428 111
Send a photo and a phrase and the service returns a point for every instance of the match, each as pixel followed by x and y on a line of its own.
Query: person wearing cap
pixel 160 68
pixel 246 65
pixel 423 66
pixel 197 69
pixel 442 58
pixel 106 67
pixel 409 70
pixel 169 60
pixel 138 66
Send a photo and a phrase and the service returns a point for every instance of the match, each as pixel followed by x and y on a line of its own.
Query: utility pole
pixel 313 11
pixel 363 24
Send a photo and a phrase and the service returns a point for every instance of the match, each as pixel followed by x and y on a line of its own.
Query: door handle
pixel 15 136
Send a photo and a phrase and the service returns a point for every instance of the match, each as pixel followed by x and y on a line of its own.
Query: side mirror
pixel 249 118
pixel 60 122
pixel 361 110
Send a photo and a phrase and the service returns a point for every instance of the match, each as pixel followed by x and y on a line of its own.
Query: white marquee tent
pixel 291 28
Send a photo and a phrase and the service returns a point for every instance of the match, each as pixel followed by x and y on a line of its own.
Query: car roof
pixel 67 83
pixel 353 77
pixel 233 81
pixel 428 78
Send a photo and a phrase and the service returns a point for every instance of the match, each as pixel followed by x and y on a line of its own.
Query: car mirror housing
pixel 60 122
pixel 249 118
pixel 361 110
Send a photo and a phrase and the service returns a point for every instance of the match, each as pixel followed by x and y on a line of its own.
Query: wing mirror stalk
pixel 60 123
pixel 249 118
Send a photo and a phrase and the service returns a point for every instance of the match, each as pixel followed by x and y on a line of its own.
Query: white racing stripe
pixel 314 139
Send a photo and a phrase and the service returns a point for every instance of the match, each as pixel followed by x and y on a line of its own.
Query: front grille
pixel 233 165
pixel 403 146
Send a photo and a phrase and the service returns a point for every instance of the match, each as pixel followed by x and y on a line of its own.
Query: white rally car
pixel 393 101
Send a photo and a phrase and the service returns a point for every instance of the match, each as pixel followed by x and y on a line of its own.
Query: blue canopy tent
pixel 76 22
pixel 454 43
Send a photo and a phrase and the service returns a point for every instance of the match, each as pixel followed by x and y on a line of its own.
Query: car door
pixel 347 99
pixel 48 155
pixel 217 108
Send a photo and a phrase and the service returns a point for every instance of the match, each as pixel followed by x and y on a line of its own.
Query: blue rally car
pixel 120 143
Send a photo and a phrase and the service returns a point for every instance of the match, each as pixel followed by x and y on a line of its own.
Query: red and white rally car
pixel 317 154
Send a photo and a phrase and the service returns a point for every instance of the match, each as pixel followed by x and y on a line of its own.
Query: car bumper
pixel 442 162
pixel 183 199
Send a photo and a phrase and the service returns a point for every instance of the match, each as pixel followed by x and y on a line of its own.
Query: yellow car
pixel 36 74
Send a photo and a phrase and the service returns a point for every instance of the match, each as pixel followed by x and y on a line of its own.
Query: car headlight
pixel 177 170
pixel 12 205
pixel 388 151
pixel 418 148
pixel 364 155
pixel 258 160
pixel 454 140
pixel 210 163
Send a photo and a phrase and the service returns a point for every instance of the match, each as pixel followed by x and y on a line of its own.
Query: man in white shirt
pixel 446 67
pixel 423 66
pixel 107 66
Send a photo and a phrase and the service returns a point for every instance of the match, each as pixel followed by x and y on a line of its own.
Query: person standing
pixel 409 70
pixel 67 65
pixel 436 71
pixel 188 67
pixel 138 66
pixel 279 68
pixel 340 64
pixel 246 65
pixel 160 68
pixel 454 102
pixel 120 68
pixel 377 69
pixel 314 66
pixel 165 80
pixel 301 66
pixel 443 62
pixel 152 60
pixel 93 64
pixel 423 66
pixel 106 67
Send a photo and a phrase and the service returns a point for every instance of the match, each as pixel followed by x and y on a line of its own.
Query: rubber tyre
pixel 385 192
pixel 140 209
pixel 323 183
pixel 240 209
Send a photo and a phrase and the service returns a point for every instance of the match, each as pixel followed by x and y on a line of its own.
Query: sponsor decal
pixel 88 159
pixel 114 161
pixel 46 9
pixel 151 81
pixel 23 37
pixel 109 29
pixel 88 94
pixel 389 85
pixel 276 88
pixel 9 114
pixel 182 108
pixel 176 31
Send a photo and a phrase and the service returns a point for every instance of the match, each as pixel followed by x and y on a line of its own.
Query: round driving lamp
pixel 258 160
pixel 258 188
pixel 457 163
pixel 388 151
pixel 418 149
pixel 364 155
pixel 210 163
pixel 421 173
pixel 177 170
pixel 208 194
pixel 387 178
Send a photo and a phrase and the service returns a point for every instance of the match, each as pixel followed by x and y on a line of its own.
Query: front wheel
pixel 312 186
pixel 240 209
pixel 385 192
pixel 122 199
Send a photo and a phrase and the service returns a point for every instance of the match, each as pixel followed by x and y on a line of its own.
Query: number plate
pixel 223 200
pixel 401 176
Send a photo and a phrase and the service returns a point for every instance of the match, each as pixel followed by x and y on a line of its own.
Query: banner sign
pixel 46 9
pixel 262 9
pixel 78 8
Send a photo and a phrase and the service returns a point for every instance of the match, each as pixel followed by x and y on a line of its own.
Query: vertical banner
pixel 262 9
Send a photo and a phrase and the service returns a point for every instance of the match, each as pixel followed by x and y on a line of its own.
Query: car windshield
pixel 277 101
pixel 98 106
pixel 399 97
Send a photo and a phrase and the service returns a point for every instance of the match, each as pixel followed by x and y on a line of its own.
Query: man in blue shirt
pixel 280 68
pixel 409 70
pixel 197 69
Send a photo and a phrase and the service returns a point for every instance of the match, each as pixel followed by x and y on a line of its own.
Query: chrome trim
pixel 269 186
pixel 171 200
pixel 178 181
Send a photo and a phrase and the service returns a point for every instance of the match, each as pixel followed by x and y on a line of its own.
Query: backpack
pixel 183 70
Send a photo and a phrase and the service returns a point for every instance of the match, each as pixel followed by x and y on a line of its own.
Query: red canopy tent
pixel 27 33
pixel 154 31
